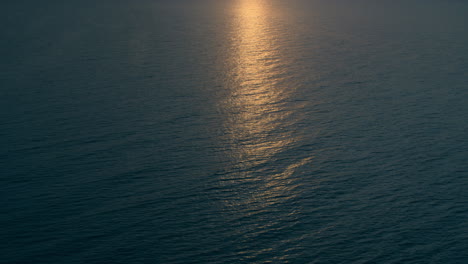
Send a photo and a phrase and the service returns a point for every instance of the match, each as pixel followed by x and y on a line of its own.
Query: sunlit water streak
pixel 257 125
pixel 259 128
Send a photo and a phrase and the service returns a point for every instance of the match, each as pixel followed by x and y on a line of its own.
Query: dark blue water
pixel 236 131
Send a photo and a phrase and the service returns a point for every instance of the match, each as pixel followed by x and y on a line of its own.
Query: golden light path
pixel 257 113
pixel 256 97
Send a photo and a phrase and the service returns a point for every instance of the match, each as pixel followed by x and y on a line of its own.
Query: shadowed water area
pixel 236 131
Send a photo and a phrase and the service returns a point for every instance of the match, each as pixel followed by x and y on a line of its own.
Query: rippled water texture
pixel 237 131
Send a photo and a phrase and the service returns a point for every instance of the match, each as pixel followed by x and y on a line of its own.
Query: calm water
pixel 235 131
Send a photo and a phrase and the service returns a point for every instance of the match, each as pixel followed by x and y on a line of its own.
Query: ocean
pixel 234 131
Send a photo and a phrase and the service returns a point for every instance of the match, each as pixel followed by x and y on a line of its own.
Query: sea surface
pixel 233 131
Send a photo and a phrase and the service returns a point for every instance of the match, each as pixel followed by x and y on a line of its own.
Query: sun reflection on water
pixel 258 116
pixel 256 99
